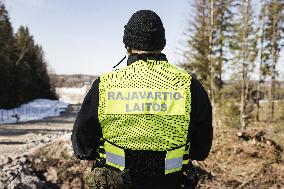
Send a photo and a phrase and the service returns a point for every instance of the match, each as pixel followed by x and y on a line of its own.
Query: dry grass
pixel 250 161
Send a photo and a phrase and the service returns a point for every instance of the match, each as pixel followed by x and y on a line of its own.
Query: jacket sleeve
pixel 200 129
pixel 87 131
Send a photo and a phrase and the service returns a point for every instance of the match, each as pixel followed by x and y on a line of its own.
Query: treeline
pixel 235 39
pixel 75 80
pixel 23 72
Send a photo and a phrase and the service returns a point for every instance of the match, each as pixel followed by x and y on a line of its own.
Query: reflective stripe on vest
pixel 114 156
pixel 175 163
pixel 174 160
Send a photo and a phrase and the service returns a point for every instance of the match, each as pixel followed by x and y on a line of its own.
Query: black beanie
pixel 144 31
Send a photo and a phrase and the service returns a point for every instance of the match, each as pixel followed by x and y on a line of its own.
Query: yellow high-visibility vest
pixel 145 106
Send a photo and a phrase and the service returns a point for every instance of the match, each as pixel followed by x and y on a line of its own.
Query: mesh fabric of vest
pixel 146 131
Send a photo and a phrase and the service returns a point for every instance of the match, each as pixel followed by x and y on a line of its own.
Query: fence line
pixel 33 111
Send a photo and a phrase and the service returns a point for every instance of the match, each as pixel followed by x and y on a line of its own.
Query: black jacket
pixel 87 131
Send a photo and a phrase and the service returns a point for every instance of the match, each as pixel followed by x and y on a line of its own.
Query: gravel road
pixel 18 139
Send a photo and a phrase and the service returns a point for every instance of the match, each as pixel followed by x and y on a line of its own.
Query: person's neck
pixel 133 51
pixel 135 57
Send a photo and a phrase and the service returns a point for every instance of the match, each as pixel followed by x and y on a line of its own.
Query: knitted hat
pixel 144 31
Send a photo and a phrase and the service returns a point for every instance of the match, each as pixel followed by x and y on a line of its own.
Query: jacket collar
pixel 135 57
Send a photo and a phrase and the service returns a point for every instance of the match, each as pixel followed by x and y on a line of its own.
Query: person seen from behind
pixel 144 124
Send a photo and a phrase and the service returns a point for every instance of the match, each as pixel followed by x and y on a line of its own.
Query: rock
pixel 243 135
pixel 25 166
pixel 30 169
pixel 37 161
pixel 52 174
pixel 2 185
pixel 23 160
pixel 14 183
pixel 13 173
pixel 26 171
pixel 15 162
pixel 6 160
pixel 70 153
pixel 3 177
pixel 4 168
pixel 16 167
pixel 11 177
pixel 45 140
pixel 239 134
pixel 8 172
pixel 29 181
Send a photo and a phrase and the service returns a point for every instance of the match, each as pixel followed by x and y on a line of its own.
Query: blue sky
pixel 86 36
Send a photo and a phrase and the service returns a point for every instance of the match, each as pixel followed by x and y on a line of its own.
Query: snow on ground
pixel 34 110
pixel 72 95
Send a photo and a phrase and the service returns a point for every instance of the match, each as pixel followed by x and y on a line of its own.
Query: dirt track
pixel 16 139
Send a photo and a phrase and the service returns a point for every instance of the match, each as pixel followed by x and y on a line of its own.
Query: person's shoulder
pixel 96 81
pixel 95 84
pixel 196 83
pixel 113 73
pixel 198 90
pixel 180 70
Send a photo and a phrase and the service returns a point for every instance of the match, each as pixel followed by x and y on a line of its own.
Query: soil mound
pixel 237 160
pixel 242 160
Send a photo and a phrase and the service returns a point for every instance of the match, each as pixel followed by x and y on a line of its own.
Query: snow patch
pixel 34 110
pixel 72 95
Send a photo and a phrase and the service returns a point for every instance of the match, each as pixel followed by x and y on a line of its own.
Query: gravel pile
pixel 18 173
pixel 35 142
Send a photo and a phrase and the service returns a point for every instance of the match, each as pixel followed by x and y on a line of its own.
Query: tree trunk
pixel 245 80
pixel 244 96
pixel 257 100
pixel 273 71
pixel 243 101
pixel 221 57
pixel 260 71
pixel 212 65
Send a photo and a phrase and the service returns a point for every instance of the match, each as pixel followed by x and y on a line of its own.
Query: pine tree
pixel 197 56
pixel 24 65
pixel 273 35
pixel 244 49
pixel 44 86
pixel 7 92
pixel 23 72
pixel 209 39
pixel 33 80
pixel 223 27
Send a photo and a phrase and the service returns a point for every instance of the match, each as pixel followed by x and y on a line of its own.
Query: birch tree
pixel 244 48
pixel 273 35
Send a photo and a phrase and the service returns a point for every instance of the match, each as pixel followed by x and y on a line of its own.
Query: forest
pixel 234 48
pixel 23 68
